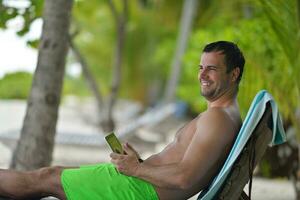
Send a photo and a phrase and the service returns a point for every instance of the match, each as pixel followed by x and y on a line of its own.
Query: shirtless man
pixel 182 169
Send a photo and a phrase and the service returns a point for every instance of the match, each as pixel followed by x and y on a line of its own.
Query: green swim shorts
pixel 103 181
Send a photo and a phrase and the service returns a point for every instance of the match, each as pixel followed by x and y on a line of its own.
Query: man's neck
pixel 228 98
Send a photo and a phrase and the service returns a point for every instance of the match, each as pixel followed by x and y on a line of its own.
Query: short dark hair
pixel 233 55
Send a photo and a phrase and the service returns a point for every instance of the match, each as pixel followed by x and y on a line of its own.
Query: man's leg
pixel 33 184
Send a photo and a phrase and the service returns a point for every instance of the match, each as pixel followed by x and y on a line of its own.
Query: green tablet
pixel 114 143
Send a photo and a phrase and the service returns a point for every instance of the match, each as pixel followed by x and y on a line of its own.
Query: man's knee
pixel 49 178
pixel 48 172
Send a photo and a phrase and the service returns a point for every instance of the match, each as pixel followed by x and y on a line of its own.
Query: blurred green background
pixel 266 31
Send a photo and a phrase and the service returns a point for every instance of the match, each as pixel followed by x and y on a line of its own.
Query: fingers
pixel 128 149
pixel 116 159
pixel 129 146
pixel 117 156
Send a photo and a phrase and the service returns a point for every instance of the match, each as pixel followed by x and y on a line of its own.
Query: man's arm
pixel 213 136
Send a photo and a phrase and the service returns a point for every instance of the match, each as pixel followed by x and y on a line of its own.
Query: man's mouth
pixel 205 83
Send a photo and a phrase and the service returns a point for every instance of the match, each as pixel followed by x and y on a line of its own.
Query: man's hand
pixel 127 145
pixel 127 163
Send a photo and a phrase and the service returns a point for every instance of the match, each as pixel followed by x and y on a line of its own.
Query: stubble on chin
pixel 208 94
pixel 205 94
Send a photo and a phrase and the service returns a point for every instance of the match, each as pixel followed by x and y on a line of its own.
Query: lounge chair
pixel 262 126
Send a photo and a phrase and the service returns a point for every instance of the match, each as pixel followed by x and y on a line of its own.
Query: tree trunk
pixel 187 16
pixel 35 146
pixel 120 20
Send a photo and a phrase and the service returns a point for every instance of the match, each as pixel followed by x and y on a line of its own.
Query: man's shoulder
pixel 216 119
pixel 215 114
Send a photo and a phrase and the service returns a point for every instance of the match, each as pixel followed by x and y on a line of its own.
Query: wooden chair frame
pixel 243 167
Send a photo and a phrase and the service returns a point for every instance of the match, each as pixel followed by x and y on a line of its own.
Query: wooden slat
pixel 239 176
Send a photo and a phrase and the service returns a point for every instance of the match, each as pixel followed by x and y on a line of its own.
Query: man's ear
pixel 235 74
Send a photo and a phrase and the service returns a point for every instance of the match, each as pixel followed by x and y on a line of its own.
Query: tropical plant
pixel 15 85
pixel 287 31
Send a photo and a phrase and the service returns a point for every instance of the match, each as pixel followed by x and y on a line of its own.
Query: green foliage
pixel 29 15
pixel 97 37
pixel 75 86
pixel 147 47
pixel 94 22
pixel 268 36
pixel 262 54
pixel 6 13
pixel 15 85
pixel 286 27
pixel 284 18
pixel 33 43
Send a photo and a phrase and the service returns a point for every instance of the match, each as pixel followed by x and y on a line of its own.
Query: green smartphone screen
pixel 114 143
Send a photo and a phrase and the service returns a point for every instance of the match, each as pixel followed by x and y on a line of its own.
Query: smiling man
pixel 199 149
pixel 182 169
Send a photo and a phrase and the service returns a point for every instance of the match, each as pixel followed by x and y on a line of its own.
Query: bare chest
pixel 184 135
pixel 176 149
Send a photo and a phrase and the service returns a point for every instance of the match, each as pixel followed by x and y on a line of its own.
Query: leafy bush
pixel 15 85
pixel 75 86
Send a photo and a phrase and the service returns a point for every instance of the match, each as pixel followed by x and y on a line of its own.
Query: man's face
pixel 212 75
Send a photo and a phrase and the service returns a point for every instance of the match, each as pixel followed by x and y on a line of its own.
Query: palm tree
pixel 284 17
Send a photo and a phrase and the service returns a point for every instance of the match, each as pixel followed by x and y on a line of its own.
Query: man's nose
pixel 203 73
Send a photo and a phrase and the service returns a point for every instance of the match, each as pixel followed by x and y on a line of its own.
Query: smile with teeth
pixel 205 83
